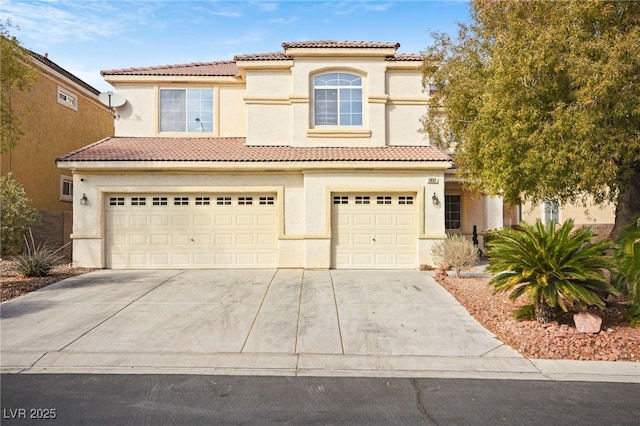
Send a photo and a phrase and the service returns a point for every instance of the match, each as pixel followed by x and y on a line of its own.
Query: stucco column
pixel 492 212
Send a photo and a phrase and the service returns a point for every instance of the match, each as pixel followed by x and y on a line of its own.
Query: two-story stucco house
pixel 308 158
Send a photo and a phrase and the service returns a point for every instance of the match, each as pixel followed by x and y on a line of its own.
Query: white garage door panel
pixel 374 231
pixel 187 231
pixel 159 220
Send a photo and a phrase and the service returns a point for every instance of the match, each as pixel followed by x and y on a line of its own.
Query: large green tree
pixel 542 101
pixel 16 74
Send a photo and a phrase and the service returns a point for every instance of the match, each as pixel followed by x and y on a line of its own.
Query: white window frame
pixel 67 98
pixel 66 182
pixel 194 121
pixel 341 91
pixel 548 210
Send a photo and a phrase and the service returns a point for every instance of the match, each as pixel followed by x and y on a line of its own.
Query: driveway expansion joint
pixel 86 332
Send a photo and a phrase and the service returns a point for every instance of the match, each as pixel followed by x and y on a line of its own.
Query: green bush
pixel 527 312
pixel 627 257
pixel 633 316
pixel 37 260
pixel 456 251
pixel 487 237
pixel 17 215
pixel 555 268
pixel 627 277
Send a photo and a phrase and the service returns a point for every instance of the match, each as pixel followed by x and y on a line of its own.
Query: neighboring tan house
pixel 65 114
pixel 309 158
pixel 599 217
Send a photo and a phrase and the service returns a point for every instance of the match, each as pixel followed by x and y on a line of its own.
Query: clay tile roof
pixel 220 68
pixel 339 44
pixel 272 56
pixel 229 68
pixel 235 150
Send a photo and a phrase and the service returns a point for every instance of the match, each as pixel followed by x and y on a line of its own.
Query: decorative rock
pixel 587 322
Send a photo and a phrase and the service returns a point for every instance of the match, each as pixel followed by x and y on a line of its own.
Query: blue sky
pixel 86 36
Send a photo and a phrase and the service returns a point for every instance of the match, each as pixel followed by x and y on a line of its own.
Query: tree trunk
pixel 628 205
pixel 544 313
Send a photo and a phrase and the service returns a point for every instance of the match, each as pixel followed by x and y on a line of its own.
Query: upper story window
pixel 186 110
pixel 67 98
pixel 337 100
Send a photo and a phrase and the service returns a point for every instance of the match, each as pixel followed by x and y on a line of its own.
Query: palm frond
pixel 556 266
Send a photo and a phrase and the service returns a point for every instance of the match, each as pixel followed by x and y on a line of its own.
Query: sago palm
pixel 627 256
pixel 556 267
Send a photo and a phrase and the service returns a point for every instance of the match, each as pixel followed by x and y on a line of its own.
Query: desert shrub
pixel 456 251
pixel 37 260
pixel 17 215
pixel 555 268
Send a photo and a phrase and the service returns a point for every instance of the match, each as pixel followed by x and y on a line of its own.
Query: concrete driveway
pixel 285 321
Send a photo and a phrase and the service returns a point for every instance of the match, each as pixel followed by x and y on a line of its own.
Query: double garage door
pixel 191 231
pixel 374 231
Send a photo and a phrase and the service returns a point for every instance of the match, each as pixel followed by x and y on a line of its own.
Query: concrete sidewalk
pixel 265 322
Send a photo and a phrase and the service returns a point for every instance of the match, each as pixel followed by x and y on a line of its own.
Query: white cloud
pixel 265 6
pixel 60 21
pixel 378 7
pixel 282 21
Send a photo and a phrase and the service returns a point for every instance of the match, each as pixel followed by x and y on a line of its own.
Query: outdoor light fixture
pixel 84 199
pixel 435 199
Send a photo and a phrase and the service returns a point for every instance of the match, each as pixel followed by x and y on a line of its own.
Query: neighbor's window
pixel 452 211
pixel 186 110
pixel 551 211
pixel 66 188
pixel 337 100
pixel 67 98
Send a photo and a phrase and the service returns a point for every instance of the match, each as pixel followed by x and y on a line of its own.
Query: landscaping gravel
pixel 617 341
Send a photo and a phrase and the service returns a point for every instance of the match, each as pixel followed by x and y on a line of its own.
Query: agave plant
pixel 38 259
pixel 556 267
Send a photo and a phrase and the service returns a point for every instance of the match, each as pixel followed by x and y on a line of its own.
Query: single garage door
pixel 191 231
pixel 374 231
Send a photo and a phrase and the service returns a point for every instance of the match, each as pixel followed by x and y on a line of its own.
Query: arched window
pixel 337 100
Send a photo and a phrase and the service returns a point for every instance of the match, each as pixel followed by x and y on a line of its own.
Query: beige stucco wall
pixel 407 103
pixel 280 104
pixel 138 116
pixel 271 103
pixel 231 117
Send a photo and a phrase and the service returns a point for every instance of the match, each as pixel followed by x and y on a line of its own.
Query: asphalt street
pixel 74 399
